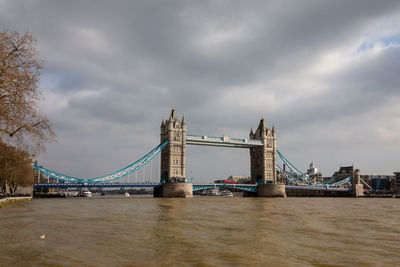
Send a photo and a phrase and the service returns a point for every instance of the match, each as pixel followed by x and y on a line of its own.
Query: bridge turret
pixel 261 129
pixel 251 135
pixel 183 122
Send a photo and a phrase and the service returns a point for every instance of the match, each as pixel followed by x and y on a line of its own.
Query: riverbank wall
pixel 6 200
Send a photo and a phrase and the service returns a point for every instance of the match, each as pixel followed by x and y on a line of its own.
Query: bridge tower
pixel 173 158
pixel 263 158
pixel 263 162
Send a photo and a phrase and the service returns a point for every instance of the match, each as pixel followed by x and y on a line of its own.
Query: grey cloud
pixel 143 56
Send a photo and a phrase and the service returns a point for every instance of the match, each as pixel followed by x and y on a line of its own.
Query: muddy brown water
pixel 202 231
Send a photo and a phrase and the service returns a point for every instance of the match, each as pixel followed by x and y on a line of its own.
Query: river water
pixel 202 231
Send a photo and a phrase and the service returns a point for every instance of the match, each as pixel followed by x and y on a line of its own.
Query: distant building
pixel 234 180
pixel 397 182
pixel 313 173
pixel 380 182
pixel 226 181
pixel 312 170
pixel 343 173
pixel 240 179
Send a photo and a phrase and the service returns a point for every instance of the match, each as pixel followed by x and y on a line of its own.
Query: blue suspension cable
pixel 285 160
pixel 113 176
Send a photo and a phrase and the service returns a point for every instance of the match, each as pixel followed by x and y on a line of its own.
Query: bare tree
pixel 21 122
pixel 15 168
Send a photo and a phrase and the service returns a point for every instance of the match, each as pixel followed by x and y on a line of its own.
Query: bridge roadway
pixel 196 187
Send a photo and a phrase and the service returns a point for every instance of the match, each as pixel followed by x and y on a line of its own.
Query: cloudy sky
pixel 326 73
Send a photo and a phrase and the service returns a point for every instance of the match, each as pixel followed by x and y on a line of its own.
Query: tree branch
pixel 25 126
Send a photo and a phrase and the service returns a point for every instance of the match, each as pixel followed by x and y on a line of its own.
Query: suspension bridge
pixel 294 179
pixel 272 174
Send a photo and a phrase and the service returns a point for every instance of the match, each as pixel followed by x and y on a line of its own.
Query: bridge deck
pixel 244 187
pixel 224 141
pixel 316 188
pixel 196 187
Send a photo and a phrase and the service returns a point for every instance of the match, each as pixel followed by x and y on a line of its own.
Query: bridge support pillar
pixel 174 190
pixel 271 190
pixel 358 188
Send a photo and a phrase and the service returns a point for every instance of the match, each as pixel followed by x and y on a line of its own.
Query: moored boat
pixel 226 193
pixel 86 194
pixel 214 192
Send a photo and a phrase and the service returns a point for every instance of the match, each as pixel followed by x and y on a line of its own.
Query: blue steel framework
pixel 296 177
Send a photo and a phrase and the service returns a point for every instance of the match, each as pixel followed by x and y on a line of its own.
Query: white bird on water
pixel 42 236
